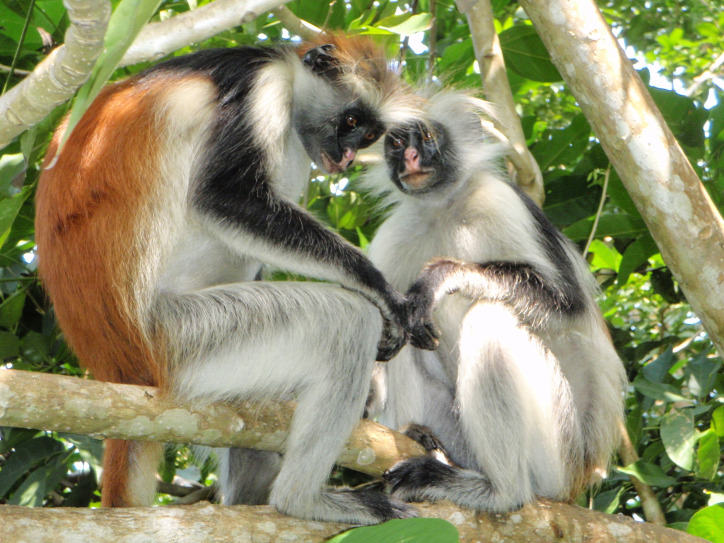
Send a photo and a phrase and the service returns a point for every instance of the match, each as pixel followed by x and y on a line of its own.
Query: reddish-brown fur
pixel 90 208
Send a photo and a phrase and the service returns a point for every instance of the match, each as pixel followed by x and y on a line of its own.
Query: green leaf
pixel 11 165
pixel 707 455
pixel 9 345
pixel 717 421
pixel 656 370
pixel 406 24
pixel 11 309
pixel 703 373
pixel 679 437
pixel 658 391
pixel 414 530
pixel 125 24
pixel 635 256
pixel 570 199
pixel 564 145
pixel 41 480
pixel 708 524
pixel 9 209
pixel 604 257
pixel 610 224
pixel 24 457
pixel 524 53
pixel 35 347
pixel 649 474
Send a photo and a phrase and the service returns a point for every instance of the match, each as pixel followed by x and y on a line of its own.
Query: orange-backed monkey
pixel 171 192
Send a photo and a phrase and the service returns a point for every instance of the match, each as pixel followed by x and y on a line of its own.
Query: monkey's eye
pixel 351 121
pixel 427 136
pixel 370 136
pixel 397 142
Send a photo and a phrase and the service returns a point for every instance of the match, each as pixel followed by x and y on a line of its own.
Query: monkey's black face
pixel 419 158
pixel 332 141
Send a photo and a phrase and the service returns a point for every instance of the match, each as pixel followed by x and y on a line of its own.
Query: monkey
pixel 524 389
pixel 155 217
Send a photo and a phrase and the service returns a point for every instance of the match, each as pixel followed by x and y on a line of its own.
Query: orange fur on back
pixel 92 211
pixel 88 207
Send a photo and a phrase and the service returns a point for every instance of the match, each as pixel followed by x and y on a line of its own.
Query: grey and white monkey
pixel 156 216
pixel 525 388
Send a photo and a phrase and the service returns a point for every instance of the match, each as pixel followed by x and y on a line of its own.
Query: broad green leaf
pixel 414 530
pixel 9 345
pixel 656 370
pixel 679 437
pixel 570 199
pixel 707 455
pixel 610 224
pixel 636 255
pixel 11 165
pixel 9 208
pixel 620 196
pixel 24 457
pixel 11 309
pixel 608 501
pixel 658 391
pixel 648 473
pixel 717 421
pixel 126 22
pixel 35 347
pixel 708 523
pixel 564 145
pixel 524 53
pixel 703 371
pixel 406 24
pixel 41 480
pixel 457 57
pixel 604 257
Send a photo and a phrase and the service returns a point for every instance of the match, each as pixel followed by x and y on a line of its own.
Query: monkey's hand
pixel 431 285
pixel 394 332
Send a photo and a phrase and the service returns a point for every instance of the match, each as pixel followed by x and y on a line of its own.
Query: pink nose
pixel 412 159
pixel 347 158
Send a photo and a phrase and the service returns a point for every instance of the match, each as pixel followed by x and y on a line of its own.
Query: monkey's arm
pixel 274 231
pixel 533 296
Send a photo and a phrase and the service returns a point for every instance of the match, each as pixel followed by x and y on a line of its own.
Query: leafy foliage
pixel 675 412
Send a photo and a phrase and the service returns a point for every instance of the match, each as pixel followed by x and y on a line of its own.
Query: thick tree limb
pixel 157 40
pixel 497 90
pixel 62 72
pixel 542 523
pixel 686 225
pixel 105 410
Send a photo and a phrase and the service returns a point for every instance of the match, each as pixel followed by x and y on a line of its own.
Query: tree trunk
pixel 686 225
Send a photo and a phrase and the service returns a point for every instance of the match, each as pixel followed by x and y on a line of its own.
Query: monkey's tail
pixel 129 472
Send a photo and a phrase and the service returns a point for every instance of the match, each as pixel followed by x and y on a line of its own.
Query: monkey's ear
pixel 321 62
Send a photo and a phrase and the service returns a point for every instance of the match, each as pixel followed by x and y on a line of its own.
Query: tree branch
pixel 295 25
pixel 106 410
pixel 649 501
pixel 686 225
pixel 157 40
pixel 497 90
pixel 62 72
pixel 545 522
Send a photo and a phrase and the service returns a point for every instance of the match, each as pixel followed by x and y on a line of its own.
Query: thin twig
pixel 15 71
pixel 432 42
pixel 20 46
pixel 598 211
